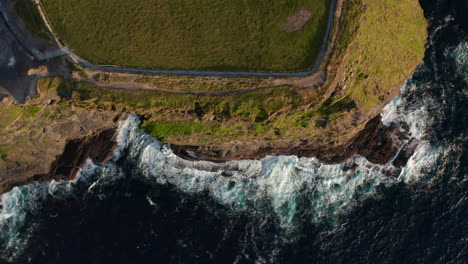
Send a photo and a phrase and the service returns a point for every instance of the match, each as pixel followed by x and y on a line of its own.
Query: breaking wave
pixel 290 189
pixel 280 180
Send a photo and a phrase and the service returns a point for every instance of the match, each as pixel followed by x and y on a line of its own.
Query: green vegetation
pixel 186 34
pixel 30 111
pixel 56 86
pixel 8 114
pixel 253 106
pixel 329 109
pixel 352 11
pixel 164 128
pixel 4 152
pixel 269 114
pixel 195 83
pixel 368 68
pixel 386 49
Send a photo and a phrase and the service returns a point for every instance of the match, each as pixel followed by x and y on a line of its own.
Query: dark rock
pixel 376 142
pixel 405 153
pixel 99 148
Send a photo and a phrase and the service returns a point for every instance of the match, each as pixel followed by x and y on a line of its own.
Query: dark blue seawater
pixel 148 206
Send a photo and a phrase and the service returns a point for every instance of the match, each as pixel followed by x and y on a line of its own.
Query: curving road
pixel 110 68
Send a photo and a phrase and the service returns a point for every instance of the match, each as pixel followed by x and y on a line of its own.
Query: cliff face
pixel 36 133
pixel 372 53
pixel 52 135
pixel 377 142
pixel 98 147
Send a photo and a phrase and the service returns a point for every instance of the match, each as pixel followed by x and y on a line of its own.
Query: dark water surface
pixel 142 208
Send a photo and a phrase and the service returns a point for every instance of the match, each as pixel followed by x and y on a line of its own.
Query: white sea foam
pixel 280 179
pixel 283 179
pixel 20 201
pixel 284 182
pixel 11 62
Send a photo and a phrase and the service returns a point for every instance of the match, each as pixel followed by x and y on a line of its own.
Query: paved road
pixel 109 68
pixel 24 43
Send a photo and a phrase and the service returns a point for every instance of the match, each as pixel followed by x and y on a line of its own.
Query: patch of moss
pixel 30 111
pixel 164 128
pixel 255 106
pixel 8 114
pixel 4 152
pixel 56 85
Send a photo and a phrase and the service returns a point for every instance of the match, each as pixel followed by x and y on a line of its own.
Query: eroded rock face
pixel 377 142
pixel 69 144
pixel 98 148
pixel 380 144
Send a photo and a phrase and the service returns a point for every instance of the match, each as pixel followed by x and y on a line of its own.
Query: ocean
pixel 146 205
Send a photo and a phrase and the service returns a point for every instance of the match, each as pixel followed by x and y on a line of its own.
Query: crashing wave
pixel 279 179
pixel 246 184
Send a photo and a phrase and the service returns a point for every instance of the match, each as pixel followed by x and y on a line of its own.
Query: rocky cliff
pixel 377 142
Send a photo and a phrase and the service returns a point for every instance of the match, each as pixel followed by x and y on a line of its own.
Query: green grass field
pixel 378 45
pixel 187 34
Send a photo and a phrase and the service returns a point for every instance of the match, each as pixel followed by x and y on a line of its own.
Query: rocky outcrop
pixel 99 148
pixel 380 144
pixel 57 150
pixel 377 142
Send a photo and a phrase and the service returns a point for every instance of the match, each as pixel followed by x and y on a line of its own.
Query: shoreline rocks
pixel 377 142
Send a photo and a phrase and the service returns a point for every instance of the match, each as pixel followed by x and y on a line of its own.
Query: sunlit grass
pixel 387 48
pixel 186 34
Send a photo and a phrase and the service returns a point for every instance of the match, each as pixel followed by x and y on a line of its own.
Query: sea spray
pixel 413 222
pixel 279 179
pixel 280 182
pixel 23 201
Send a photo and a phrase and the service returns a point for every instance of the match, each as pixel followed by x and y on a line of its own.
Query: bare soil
pixel 297 21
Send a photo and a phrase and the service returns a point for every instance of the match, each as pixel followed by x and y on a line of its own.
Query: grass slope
pixel 381 43
pixel 270 114
pixel 387 47
pixel 188 34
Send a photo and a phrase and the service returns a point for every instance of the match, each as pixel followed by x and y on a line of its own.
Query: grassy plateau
pixel 245 35
pixel 377 45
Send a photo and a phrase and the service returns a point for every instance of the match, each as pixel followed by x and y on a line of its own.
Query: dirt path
pixel 311 78
pixel 146 86
pixel 315 80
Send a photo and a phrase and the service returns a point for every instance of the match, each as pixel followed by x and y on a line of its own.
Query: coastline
pixel 378 143
pixel 375 141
